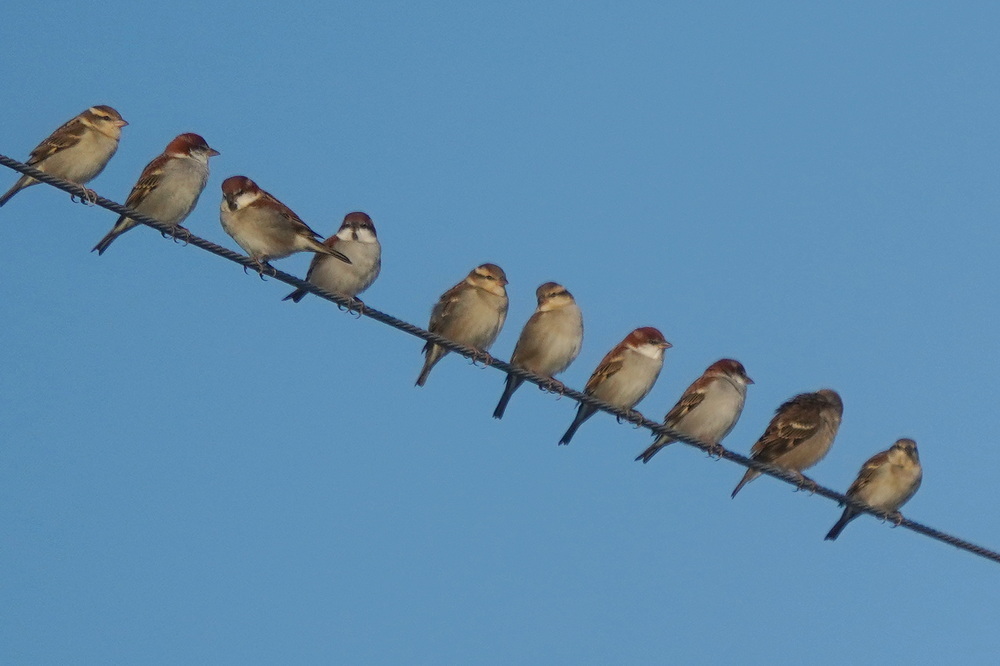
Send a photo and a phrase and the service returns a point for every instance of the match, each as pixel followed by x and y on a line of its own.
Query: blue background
pixel 192 470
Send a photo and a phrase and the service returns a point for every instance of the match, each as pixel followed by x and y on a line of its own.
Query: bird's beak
pixel 212 152
pixel 749 381
pixel 121 123
pixel 665 345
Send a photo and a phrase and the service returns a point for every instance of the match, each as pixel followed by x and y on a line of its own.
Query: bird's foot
pixel 262 267
pixel 633 417
pixel 715 450
pixel 357 307
pixel 805 483
pixel 182 233
pixel 89 197
pixel 482 357
pixel 553 386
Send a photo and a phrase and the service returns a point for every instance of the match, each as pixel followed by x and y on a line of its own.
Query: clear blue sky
pixel 192 470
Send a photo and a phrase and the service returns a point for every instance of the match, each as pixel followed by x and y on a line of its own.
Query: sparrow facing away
pixel 799 435
pixel 625 375
pixel 356 239
pixel 169 186
pixel 549 341
pixel 471 313
pixel 886 482
pixel 263 226
pixel 78 151
pixel 709 408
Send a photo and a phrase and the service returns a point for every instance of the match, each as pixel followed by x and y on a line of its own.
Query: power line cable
pixel 545 383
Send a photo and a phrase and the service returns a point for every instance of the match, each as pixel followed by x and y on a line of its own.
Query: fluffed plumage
pixel 549 341
pixel 886 482
pixel 77 151
pixel 624 376
pixel 709 408
pixel 800 434
pixel 471 313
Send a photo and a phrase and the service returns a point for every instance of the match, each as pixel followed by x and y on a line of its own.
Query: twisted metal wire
pixel 545 383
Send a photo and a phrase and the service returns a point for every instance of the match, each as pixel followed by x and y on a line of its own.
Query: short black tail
pixel 296 295
pixel 848 515
pixel 747 478
pixel 648 454
pixel 21 183
pixel 512 385
pixel 105 243
pixel 582 414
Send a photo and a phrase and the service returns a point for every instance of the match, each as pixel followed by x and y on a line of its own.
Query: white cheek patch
pixel 365 236
pixel 197 155
pixel 649 351
pixel 244 199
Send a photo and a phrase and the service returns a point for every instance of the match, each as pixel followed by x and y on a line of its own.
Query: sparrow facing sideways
pixel 799 435
pixel 78 151
pixel 471 313
pixel 625 375
pixel 886 482
pixel 263 226
pixel 169 186
pixel 356 239
pixel 709 408
pixel 549 342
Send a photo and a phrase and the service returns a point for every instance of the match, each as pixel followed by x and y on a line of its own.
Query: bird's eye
pixel 490 277
pixel 105 117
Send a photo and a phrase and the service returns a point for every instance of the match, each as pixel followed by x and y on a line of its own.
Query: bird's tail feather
pixel 835 531
pixel 512 385
pixel 582 414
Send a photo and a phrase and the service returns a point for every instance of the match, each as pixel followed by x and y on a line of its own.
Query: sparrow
pixel 799 435
pixel 886 482
pixel 168 188
pixel 471 313
pixel 77 151
pixel 709 408
pixel 625 375
pixel 263 226
pixel 357 240
pixel 549 341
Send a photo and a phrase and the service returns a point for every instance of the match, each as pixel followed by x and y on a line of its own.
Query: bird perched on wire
pixel 471 313
pixel 799 435
pixel 264 227
pixel 624 376
pixel 78 151
pixel 169 186
pixel 709 408
pixel 549 341
pixel 357 240
pixel 886 482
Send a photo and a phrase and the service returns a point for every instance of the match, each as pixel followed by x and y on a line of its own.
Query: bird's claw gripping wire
pixel 479 356
pixel 262 267
pixel 715 450
pixel 552 385
pixel 356 307
pixel 88 199
pixel 179 232
pixel 896 518
pixel 805 483
pixel 632 416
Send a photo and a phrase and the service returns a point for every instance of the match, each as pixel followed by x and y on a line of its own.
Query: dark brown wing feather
pixel 796 420
pixel 290 215
pixel 609 365
pixel 688 401
pixel 867 472
pixel 67 135
pixel 148 182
